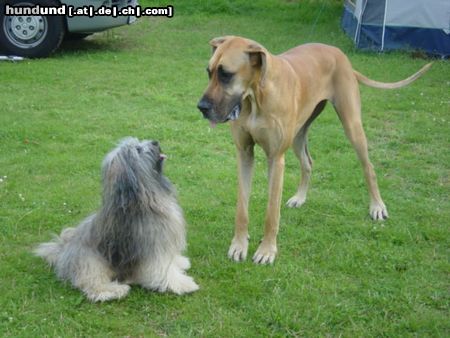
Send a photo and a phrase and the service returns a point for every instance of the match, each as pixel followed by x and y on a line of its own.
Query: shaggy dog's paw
pixel 265 254
pixel 238 249
pixel 108 292
pixel 183 284
pixel 378 211
pixel 183 262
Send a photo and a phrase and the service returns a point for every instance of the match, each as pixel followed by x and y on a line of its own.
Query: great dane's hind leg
pixel 348 108
pixel 239 244
pixel 300 147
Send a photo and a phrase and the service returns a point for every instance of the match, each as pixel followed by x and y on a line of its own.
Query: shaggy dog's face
pixel 132 169
pixel 150 152
pixel 137 157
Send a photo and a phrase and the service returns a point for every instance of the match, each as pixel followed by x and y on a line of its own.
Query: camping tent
pixel 399 24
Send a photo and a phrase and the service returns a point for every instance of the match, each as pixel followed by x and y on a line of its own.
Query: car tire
pixel 31 36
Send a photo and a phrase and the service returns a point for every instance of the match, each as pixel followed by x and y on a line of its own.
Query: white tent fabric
pixel 418 13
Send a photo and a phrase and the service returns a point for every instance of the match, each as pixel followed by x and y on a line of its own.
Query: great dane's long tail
pixel 391 85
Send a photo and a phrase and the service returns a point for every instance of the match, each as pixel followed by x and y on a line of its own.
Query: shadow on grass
pixel 97 43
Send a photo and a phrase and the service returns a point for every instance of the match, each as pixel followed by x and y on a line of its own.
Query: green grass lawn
pixel 337 272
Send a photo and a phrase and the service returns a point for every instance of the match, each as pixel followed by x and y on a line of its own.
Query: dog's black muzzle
pixel 205 106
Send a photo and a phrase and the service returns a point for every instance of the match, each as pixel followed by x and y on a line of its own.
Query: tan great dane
pixel 272 100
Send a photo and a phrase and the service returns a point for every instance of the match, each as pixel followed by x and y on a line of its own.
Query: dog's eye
pixel 224 76
pixel 139 149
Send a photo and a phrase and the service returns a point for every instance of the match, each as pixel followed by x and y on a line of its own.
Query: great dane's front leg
pixel 267 250
pixel 239 244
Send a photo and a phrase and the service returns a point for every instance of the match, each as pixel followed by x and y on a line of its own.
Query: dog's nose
pixel 155 143
pixel 204 105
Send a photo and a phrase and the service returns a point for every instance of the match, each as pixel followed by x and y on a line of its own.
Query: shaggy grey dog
pixel 135 238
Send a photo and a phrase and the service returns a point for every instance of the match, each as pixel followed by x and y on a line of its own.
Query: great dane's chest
pixel 266 131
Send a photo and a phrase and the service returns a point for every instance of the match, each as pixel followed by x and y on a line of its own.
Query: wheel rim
pixel 25 31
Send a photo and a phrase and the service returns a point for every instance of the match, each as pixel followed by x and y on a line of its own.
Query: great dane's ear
pixel 216 42
pixel 258 58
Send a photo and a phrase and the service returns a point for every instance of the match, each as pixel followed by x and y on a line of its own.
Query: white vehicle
pixel 28 35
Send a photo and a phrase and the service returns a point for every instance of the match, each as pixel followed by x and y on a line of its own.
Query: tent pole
pixel 384 25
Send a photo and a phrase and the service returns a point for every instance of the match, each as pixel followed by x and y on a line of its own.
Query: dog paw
pixel 108 292
pixel 296 201
pixel 183 262
pixel 378 212
pixel 238 249
pixel 183 284
pixel 265 254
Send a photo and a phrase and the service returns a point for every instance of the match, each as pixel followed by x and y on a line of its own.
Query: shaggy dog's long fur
pixel 135 238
